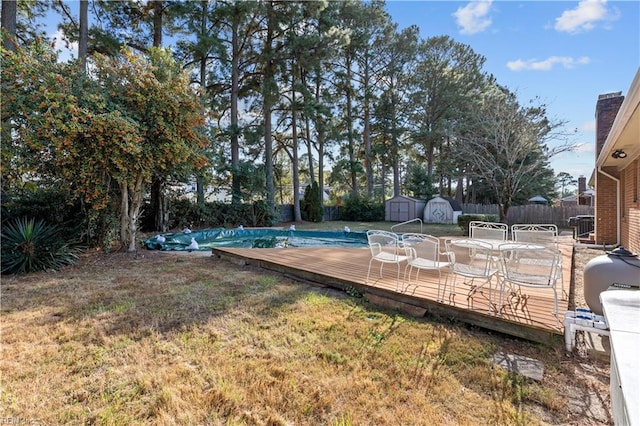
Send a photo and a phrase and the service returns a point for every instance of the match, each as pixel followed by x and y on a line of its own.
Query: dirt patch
pixel 590 400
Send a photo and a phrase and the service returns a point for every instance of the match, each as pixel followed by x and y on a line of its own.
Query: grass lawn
pixel 180 338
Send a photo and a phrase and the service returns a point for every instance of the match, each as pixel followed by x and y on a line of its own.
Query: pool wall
pixel 255 238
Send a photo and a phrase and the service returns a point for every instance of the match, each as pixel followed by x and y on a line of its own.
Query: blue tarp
pixel 255 238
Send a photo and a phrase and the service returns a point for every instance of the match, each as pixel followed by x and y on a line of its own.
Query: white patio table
pixel 497 245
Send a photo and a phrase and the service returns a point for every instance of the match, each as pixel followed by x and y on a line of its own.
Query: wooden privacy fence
pixel 532 213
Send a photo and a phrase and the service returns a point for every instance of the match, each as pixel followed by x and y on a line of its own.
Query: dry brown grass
pixel 186 339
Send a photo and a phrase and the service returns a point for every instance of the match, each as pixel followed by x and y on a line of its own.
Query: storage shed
pixel 442 210
pixel 402 209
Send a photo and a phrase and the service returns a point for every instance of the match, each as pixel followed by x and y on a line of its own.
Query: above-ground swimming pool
pixel 255 238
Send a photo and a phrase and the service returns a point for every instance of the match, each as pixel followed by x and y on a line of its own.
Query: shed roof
pixel 455 206
pixel 538 199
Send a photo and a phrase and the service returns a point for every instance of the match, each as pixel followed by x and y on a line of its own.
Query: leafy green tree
pixel 369 37
pixel 139 26
pixel 38 103
pixel 133 117
pixel 75 29
pixel 504 145
pixel 418 182
pixel 154 96
pixel 268 93
pixel 344 80
pixel 18 27
pixel 400 49
pixel 564 179
pixel 238 25
pixel 22 22
pixel 198 53
pixel 356 72
pixel 447 74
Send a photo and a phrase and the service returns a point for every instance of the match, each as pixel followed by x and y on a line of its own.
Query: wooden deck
pixel 346 268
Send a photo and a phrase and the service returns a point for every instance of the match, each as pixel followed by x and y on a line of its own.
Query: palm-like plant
pixel 29 245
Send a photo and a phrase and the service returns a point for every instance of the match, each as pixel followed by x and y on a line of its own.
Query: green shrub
pixel 464 219
pixel 311 207
pixel 187 213
pixel 357 208
pixel 52 205
pixel 103 228
pixel 29 245
pixel 261 215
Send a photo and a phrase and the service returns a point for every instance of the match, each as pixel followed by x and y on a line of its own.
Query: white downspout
pixel 618 210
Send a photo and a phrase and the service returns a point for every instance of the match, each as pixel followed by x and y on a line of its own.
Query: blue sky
pixel 565 53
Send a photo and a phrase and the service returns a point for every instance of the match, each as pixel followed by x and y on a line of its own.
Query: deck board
pixel 345 268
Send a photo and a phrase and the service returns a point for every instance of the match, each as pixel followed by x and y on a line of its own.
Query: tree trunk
pixel 294 150
pixel 159 204
pixel 157 22
pixel 366 131
pixel 130 205
pixel 83 39
pixel 134 212
pixel 203 85
pixel 460 190
pixel 235 144
pixel 504 209
pixel 9 24
pixel 309 149
pixel 320 136
pixel 351 143
pixel 124 213
pixel 396 176
pixel 383 183
pixel 266 111
pixel 8 20
pixel 430 151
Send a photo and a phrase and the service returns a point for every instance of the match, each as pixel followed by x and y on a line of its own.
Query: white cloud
pixel 587 147
pixel 546 64
pixel 584 17
pixel 65 49
pixel 473 18
pixel 589 126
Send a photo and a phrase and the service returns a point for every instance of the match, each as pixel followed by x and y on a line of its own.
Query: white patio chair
pixel 546 234
pixel 491 231
pixel 385 248
pixel 488 230
pixel 423 253
pixel 529 265
pixel 466 264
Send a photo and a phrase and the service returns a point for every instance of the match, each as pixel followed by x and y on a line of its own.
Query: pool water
pixel 255 238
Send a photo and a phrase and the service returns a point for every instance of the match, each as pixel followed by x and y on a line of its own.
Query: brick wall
pixel 606 219
pixel 605 210
pixel 606 110
pixel 630 182
pixel 582 185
